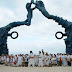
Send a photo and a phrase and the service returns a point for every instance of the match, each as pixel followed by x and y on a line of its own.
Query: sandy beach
pixel 34 69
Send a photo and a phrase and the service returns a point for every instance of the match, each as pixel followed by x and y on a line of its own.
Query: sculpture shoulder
pixel 61 21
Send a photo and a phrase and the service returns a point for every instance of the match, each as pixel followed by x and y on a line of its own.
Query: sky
pixel 41 33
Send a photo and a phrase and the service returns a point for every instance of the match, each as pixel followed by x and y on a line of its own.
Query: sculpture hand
pixel 32 1
pixel 40 7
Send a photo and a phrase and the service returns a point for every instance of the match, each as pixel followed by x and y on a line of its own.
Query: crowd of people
pixel 41 60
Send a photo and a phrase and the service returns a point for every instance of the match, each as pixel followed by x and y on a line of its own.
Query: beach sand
pixel 34 69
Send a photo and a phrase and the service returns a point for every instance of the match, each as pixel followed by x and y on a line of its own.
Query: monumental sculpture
pixel 41 7
pixel 4 30
pixel 64 23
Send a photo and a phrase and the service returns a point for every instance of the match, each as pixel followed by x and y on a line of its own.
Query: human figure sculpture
pixel 4 30
pixel 64 23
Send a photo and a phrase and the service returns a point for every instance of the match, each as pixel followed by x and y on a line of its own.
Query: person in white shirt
pixel 11 59
pixel 40 63
pixel 47 60
pixel 20 60
pixel 54 60
pixel 31 60
pixel 36 60
pixel 68 60
pixel 3 58
pixel 64 61
pixel 7 61
pixel 59 59
pixel 16 58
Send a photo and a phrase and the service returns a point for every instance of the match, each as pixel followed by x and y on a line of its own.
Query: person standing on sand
pixel 2 59
pixel 40 63
pixel 47 60
pixel 64 60
pixel 31 60
pixel 20 59
pixel 68 60
pixel 7 61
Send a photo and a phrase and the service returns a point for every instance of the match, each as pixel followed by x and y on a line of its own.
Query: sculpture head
pixel 28 5
pixel 40 3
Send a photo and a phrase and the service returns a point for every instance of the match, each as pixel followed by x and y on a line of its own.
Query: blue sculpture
pixel 4 30
pixel 40 6
pixel 64 23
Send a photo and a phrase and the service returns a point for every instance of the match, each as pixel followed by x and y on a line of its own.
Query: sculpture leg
pixel 3 49
pixel 68 40
pixel 68 50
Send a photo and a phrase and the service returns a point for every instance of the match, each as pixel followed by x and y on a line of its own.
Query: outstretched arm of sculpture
pixel 40 6
pixel 14 24
pixel 26 22
pixel 29 17
pixel 30 13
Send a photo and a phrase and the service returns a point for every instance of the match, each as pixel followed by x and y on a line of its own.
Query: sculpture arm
pixel 60 21
pixel 33 8
pixel 15 24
